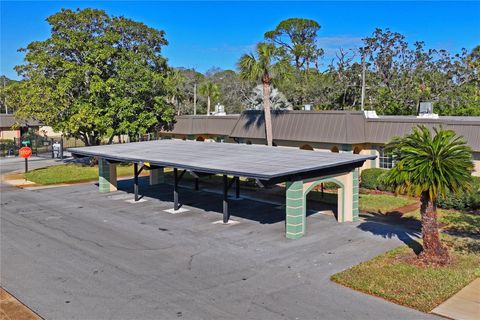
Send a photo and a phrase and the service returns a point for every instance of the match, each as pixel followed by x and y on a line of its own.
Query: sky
pixel 203 35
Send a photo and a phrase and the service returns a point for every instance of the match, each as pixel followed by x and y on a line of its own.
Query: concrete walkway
pixel 465 305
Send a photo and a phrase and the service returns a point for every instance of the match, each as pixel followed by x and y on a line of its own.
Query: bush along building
pixel 327 131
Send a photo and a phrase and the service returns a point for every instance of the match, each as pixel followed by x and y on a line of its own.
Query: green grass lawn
pixel 454 221
pixel 382 203
pixel 422 288
pixel 71 173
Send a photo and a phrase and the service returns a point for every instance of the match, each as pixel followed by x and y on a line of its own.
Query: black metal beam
pixel 226 186
pixel 237 187
pixel 175 189
pixel 136 173
pixel 226 215
pixel 230 184
pixel 176 180
pixel 135 180
pixel 181 175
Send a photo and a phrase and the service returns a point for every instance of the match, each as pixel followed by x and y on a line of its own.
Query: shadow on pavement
pixel 262 212
pixel 405 229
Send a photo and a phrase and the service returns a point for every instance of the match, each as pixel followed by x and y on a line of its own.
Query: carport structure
pixel 301 170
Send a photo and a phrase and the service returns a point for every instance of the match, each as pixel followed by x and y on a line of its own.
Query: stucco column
pixel 355 203
pixel 107 176
pixel 156 176
pixel 295 210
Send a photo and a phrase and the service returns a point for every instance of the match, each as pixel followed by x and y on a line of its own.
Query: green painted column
pixel 295 210
pixel 107 176
pixel 355 206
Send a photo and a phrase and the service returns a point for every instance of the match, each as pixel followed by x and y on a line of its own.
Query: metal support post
pixel 225 199
pixel 237 187
pixel 175 189
pixel 135 180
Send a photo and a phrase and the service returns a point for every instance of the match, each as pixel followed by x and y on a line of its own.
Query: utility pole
pixel 363 79
pixel 195 99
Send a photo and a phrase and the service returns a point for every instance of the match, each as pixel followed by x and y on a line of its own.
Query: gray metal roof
pixel 304 126
pixel 383 129
pixel 252 161
pixel 8 120
pixel 342 127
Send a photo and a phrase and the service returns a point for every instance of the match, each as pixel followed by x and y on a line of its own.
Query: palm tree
pixel 211 92
pixel 261 68
pixel 429 166
pixel 174 83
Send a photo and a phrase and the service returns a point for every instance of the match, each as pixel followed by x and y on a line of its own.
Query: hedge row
pixel 468 200
pixel 370 179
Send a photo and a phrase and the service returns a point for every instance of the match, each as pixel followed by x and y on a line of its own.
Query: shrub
pixel 467 200
pixel 5 146
pixel 371 179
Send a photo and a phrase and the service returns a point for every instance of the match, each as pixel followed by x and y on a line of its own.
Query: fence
pixel 44 145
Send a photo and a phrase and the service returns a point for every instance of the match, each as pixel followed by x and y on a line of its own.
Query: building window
pixel 385 159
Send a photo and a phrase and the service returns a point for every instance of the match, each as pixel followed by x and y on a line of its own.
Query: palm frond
pixel 435 163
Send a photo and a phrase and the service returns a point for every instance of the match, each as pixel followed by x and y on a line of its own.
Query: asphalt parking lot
pixel 73 253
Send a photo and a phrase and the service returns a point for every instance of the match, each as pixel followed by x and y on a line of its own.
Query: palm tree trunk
pixel 433 250
pixel 208 105
pixel 268 116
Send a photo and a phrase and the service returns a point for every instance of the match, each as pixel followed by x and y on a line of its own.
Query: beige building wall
pixel 9 134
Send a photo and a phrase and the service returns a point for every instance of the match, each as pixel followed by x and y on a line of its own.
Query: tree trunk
pixel 268 116
pixel 433 250
pixel 208 105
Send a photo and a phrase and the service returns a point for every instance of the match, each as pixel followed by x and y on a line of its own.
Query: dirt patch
pixel 413 259
pixel 408 208
pixel 12 309
pixel 13 176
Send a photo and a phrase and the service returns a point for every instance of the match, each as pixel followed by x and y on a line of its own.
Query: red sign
pixel 25 152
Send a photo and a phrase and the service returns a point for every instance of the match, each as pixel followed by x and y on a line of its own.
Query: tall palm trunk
pixel 208 105
pixel 433 250
pixel 266 110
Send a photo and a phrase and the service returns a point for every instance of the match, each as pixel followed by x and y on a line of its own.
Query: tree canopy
pixel 95 76
pixel 98 76
pixel 296 41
